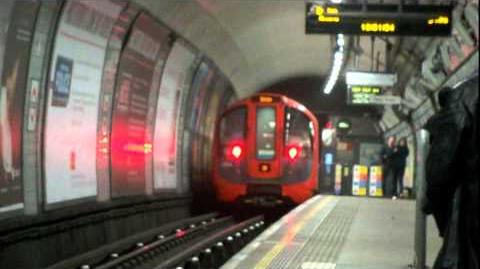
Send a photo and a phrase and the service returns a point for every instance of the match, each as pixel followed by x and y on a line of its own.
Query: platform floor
pixel 333 232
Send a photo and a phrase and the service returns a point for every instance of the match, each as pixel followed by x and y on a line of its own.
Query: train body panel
pixel 266 150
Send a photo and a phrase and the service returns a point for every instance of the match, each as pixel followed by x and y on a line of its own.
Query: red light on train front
pixel 293 152
pixel 237 151
pixel 234 151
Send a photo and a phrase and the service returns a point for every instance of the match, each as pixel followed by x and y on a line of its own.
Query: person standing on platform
pixel 399 162
pixel 453 177
pixel 386 155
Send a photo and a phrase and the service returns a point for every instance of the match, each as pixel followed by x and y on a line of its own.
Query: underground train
pixel 266 152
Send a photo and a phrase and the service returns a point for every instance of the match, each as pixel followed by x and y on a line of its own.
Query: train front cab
pixel 266 151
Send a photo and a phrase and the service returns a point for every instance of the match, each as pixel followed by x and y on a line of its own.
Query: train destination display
pixel 361 94
pixel 378 19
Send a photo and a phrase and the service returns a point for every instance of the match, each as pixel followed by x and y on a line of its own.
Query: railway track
pixel 206 241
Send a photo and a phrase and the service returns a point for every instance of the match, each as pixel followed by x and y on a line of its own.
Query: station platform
pixel 339 232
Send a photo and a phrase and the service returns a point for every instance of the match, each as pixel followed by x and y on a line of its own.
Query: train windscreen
pixel 232 144
pixel 265 133
pixel 229 130
pixel 298 133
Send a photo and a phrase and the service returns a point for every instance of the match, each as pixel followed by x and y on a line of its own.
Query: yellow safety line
pixel 287 238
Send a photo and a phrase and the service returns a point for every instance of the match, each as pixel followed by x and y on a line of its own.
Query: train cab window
pixel 298 133
pixel 265 133
pixel 232 130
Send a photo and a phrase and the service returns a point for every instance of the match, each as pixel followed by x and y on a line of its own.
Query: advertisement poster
pixel 16 54
pixel 376 181
pixel 173 85
pixel 61 81
pixel 131 106
pixel 360 178
pixel 73 94
pixel 338 179
pixel 5 12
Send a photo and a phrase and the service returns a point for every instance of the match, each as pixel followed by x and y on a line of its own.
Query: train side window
pixel 298 131
pixel 233 127
pixel 265 133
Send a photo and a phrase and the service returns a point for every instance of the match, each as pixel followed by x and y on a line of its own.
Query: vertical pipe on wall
pixel 420 218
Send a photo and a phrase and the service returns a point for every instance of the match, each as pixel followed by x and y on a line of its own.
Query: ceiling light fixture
pixel 337 64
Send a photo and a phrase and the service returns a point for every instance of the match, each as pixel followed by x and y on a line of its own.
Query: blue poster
pixel 62 81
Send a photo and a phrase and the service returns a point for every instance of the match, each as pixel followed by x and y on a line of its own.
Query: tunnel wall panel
pixel 207 127
pixel 115 45
pixel 145 51
pixel 152 111
pixel 73 94
pixel 12 100
pixel 184 134
pixel 197 102
pixel 174 86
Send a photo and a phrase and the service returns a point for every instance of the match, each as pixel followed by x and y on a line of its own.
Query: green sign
pixel 361 94
pixel 343 126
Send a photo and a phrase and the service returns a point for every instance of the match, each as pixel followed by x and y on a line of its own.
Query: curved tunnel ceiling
pixel 255 43
pixel 262 43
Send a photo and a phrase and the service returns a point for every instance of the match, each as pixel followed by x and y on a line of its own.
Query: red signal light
pixel 237 151
pixel 293 152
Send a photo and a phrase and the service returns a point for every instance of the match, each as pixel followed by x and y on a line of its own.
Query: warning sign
pixel 360 178
pixel 338 179
pixel 32 119
pixel 34 91
pixel 376 181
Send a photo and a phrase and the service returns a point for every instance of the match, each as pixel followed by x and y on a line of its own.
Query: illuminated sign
pixel 370 95
pixel 362 94
pixel 379 19
pixel 330 14
pixel 366 89
pixel 265 99
pixel 439 20
pixel 344 124
pixel 375 27
pixel 369 78
pixel 343 127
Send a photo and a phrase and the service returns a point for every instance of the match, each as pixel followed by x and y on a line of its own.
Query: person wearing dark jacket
pixel 452 176
pixel 386 155
pixel 399 161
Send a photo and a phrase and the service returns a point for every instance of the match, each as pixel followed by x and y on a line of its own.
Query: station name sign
pixel 378 19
